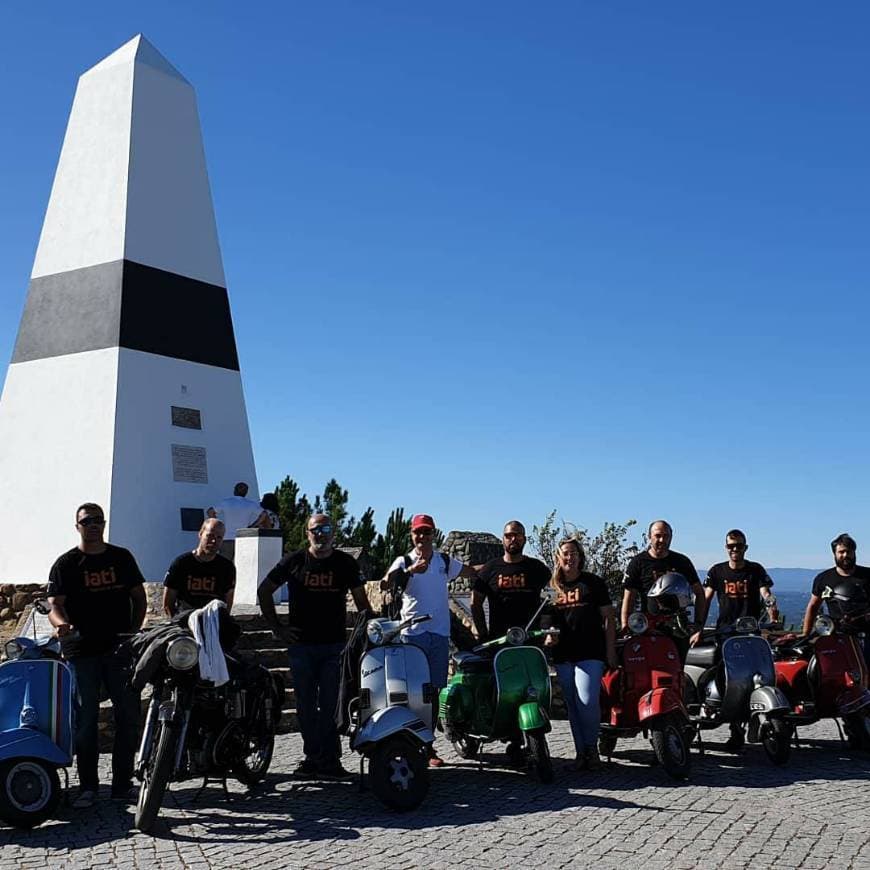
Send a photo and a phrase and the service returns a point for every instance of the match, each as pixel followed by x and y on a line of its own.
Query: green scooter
pixel 500 691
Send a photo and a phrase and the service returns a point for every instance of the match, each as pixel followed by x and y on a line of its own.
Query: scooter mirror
pixel 42 606
pixel 746 623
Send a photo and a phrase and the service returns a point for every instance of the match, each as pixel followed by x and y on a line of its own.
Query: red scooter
pixel 645 694
pixel 824 676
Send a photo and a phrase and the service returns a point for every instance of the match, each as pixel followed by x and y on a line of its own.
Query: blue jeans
pixel 581 686
pixel 315 671
pixel 111 671
pixel 437 649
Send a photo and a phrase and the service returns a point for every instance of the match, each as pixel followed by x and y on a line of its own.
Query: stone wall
pixel 16 598
pixel 471 548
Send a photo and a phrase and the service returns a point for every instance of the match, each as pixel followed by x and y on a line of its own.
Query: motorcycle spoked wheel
pixel 258 748
pixel 399 773
pixel 467 747
pixel 539 755
pixel 155 779
pixel 29 791
pixel 857 728
pixel 668 739
pixel 775 736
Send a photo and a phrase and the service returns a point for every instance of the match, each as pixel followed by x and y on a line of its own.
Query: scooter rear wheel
pixel 29 791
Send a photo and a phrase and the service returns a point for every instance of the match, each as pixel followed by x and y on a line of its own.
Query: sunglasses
pixel 321 530
pixel 92 521
pixel 735 546
pixel 425 532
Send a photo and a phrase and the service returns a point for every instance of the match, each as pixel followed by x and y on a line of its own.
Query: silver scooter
pixel 391 718
pixel 731 679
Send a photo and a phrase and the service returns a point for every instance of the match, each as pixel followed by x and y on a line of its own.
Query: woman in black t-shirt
pixel 584 614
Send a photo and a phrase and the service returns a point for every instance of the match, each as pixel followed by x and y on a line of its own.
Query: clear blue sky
pixel 487 259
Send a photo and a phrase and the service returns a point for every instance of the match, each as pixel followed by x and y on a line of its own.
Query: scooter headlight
pixel 824 625
pixel 516 636
pixel 375 632
pixel 746 624
pixel 637 623
pixel 13 649
pixel 182 653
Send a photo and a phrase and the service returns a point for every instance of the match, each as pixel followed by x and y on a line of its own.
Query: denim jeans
pixel 581 686
pixel 315 671
pixel 112 671
pixel 437 649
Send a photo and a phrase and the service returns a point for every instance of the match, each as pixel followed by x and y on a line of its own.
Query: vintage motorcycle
pixel 731 679
pixel 824 675
pixel 196 728
pixel 37 728
pixel 391 716
pixel 500 692
pixel 645 694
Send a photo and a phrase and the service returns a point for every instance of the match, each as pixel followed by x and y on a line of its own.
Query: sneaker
pixel 306 769
pixel 85 800
pixel 335 770
pixel 434 760
pixel 593 759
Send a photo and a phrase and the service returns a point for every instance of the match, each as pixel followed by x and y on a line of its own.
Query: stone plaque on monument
pixel 186 418
pixel 189 464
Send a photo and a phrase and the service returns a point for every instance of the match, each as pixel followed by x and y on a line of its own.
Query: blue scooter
pixel 37 727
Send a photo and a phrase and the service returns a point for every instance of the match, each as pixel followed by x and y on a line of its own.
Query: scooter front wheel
pixel 29 791
pixel 668 738
pixel 857 728
pixel 776 739
pixel 539 755
pixel 399 773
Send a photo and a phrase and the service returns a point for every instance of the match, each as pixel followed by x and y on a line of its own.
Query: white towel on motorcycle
pixel 204 624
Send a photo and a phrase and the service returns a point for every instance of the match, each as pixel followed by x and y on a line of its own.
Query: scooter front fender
pixel 391 720
pixel 532 717
pixel 766 700
pixel 27 743
pixel 852 700
pixel 659 702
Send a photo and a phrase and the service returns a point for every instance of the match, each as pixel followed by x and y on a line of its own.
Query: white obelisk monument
pixel 124 386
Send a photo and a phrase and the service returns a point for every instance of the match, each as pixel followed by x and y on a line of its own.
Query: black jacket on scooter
pixel 348 686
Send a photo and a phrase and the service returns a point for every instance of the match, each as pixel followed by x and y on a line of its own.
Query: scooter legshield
pixel 531 717
pixel 27 743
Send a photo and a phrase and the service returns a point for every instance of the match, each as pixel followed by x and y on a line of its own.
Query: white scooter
pixel 391 718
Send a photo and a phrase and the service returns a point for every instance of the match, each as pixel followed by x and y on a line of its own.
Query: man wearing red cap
pixel 423 576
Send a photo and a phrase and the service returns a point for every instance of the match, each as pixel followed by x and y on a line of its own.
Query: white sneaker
pixel 85 800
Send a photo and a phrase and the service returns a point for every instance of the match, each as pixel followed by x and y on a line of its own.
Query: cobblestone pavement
pixel 735 811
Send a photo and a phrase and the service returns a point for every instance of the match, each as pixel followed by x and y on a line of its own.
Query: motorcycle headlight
pixel 13 649
pixel 182 653
pixel 824 625
pixel 375 632
pixel 637 623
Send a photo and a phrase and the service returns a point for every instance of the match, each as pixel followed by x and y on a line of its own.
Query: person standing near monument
pixel 235 512
pixel 318 580
pixel 199 576
pixel 96 594
pixel 422 576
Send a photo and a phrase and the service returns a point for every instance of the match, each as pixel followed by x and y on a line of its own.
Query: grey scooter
pixel 391 718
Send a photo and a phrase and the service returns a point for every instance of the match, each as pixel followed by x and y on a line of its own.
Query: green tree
pixel 395 542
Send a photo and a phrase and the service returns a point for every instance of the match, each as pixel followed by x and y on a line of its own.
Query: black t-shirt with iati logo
pixel 576 611
pixel 643 570
pixel 197 581
pixel 317 594
pixel 737 590
pixel 830 578
pixel 97 589
pixel 513 590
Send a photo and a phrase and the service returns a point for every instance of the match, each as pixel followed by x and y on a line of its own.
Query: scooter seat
pixel 469 663
pixel 702 656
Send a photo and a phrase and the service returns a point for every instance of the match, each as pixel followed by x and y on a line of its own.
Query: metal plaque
pixel 189 464
pixel 186 418
pixel 192 519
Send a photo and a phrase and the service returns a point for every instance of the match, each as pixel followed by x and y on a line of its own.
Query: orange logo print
pixel 200 584
pixel 320 581
pixel 100 579
pixel 569 598
pixel 736 588
pixel 511 581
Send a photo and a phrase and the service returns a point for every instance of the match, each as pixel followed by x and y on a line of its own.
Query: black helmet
pixel 847 597
pixel 670 593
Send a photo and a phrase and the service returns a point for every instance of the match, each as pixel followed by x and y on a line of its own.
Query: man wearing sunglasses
pixel 423 575
pixel 318 580
pixel 740 587
pixel 96 591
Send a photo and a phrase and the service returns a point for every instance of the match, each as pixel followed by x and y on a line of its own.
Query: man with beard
pixel 654 562
pixel 846 572
pixel 318 579
pixel 512 585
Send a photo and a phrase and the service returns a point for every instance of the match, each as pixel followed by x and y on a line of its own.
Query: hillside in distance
pixel 797 579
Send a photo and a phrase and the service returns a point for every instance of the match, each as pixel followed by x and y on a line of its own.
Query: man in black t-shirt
pixel 739 586
pixel 846 572
pixel 512 585
pixel 654 562
pixel 200 576
pixel 318 580
pixel 96 594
